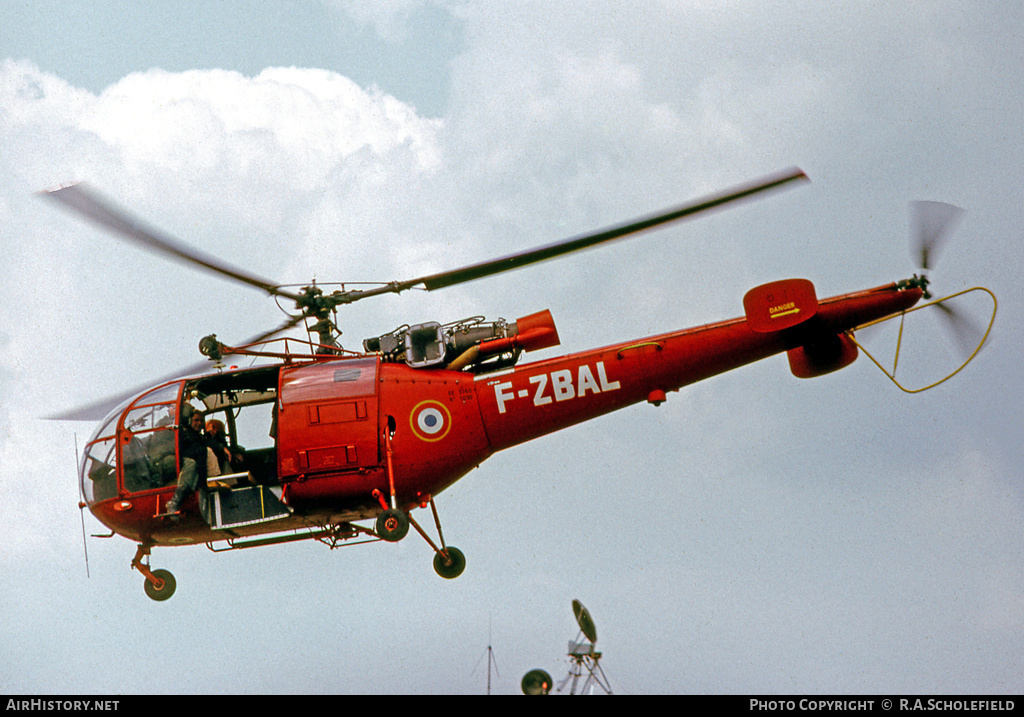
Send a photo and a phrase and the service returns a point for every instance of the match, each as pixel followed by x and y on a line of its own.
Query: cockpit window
pixel 99 471
pixel 140 440
pixel 147 418
pixel 167 394
pixel 99 466
pixel 147 440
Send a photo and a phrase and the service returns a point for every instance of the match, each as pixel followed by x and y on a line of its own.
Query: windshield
pixel 145 450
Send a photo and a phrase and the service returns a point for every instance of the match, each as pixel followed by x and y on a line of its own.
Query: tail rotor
pixel 931 225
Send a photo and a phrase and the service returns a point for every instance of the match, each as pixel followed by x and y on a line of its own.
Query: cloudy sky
pixel 757 533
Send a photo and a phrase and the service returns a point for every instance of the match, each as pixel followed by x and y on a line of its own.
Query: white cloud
pixel 306 121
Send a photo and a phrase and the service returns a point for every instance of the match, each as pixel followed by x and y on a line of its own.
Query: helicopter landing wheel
pixel 392 525
pixel 451 567
pixel 166 584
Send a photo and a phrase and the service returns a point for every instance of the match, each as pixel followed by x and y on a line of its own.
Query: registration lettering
pixel 557 386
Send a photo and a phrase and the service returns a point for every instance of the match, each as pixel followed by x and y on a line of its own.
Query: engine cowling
pixel 471 343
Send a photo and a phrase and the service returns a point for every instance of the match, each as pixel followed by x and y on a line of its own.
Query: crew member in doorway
pixel 193 447
pixel 229 459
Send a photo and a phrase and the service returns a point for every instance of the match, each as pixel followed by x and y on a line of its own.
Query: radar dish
pixel 584 620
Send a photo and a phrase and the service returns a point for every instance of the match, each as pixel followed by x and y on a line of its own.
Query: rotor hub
pixel 917 282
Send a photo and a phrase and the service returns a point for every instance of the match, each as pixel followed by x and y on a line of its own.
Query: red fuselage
pixel 330 419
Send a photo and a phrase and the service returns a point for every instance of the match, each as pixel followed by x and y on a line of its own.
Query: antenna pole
pixel 490 657
pixel 81 513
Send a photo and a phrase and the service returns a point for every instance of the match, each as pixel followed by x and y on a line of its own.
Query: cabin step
pixel 247 505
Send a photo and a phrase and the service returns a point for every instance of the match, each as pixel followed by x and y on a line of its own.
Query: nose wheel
pixel 160 584
pixel 161 587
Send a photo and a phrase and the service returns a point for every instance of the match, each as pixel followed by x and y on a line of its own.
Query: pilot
pixel 160 450
pixel 193 447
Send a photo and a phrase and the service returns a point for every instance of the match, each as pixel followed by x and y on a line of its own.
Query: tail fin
pixel 790 305
pixel 780 305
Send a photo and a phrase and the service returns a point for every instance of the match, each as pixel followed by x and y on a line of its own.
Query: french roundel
pixel 430 420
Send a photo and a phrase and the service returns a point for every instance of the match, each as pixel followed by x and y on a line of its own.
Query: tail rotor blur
pixel 931 224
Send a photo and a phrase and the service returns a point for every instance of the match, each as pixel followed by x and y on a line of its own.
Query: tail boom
pixel 546 396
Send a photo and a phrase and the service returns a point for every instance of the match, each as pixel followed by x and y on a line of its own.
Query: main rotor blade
pixel 100 409
pixel 931 223
pixel 585 241
pixel 91 206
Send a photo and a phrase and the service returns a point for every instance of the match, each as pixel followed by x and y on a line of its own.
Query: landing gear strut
pixel 449 562
pixel 393 525
pixel 160 584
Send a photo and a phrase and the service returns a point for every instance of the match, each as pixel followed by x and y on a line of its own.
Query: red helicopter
pixel 322 438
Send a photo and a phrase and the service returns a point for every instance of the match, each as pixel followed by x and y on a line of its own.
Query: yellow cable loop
pixel 899 339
